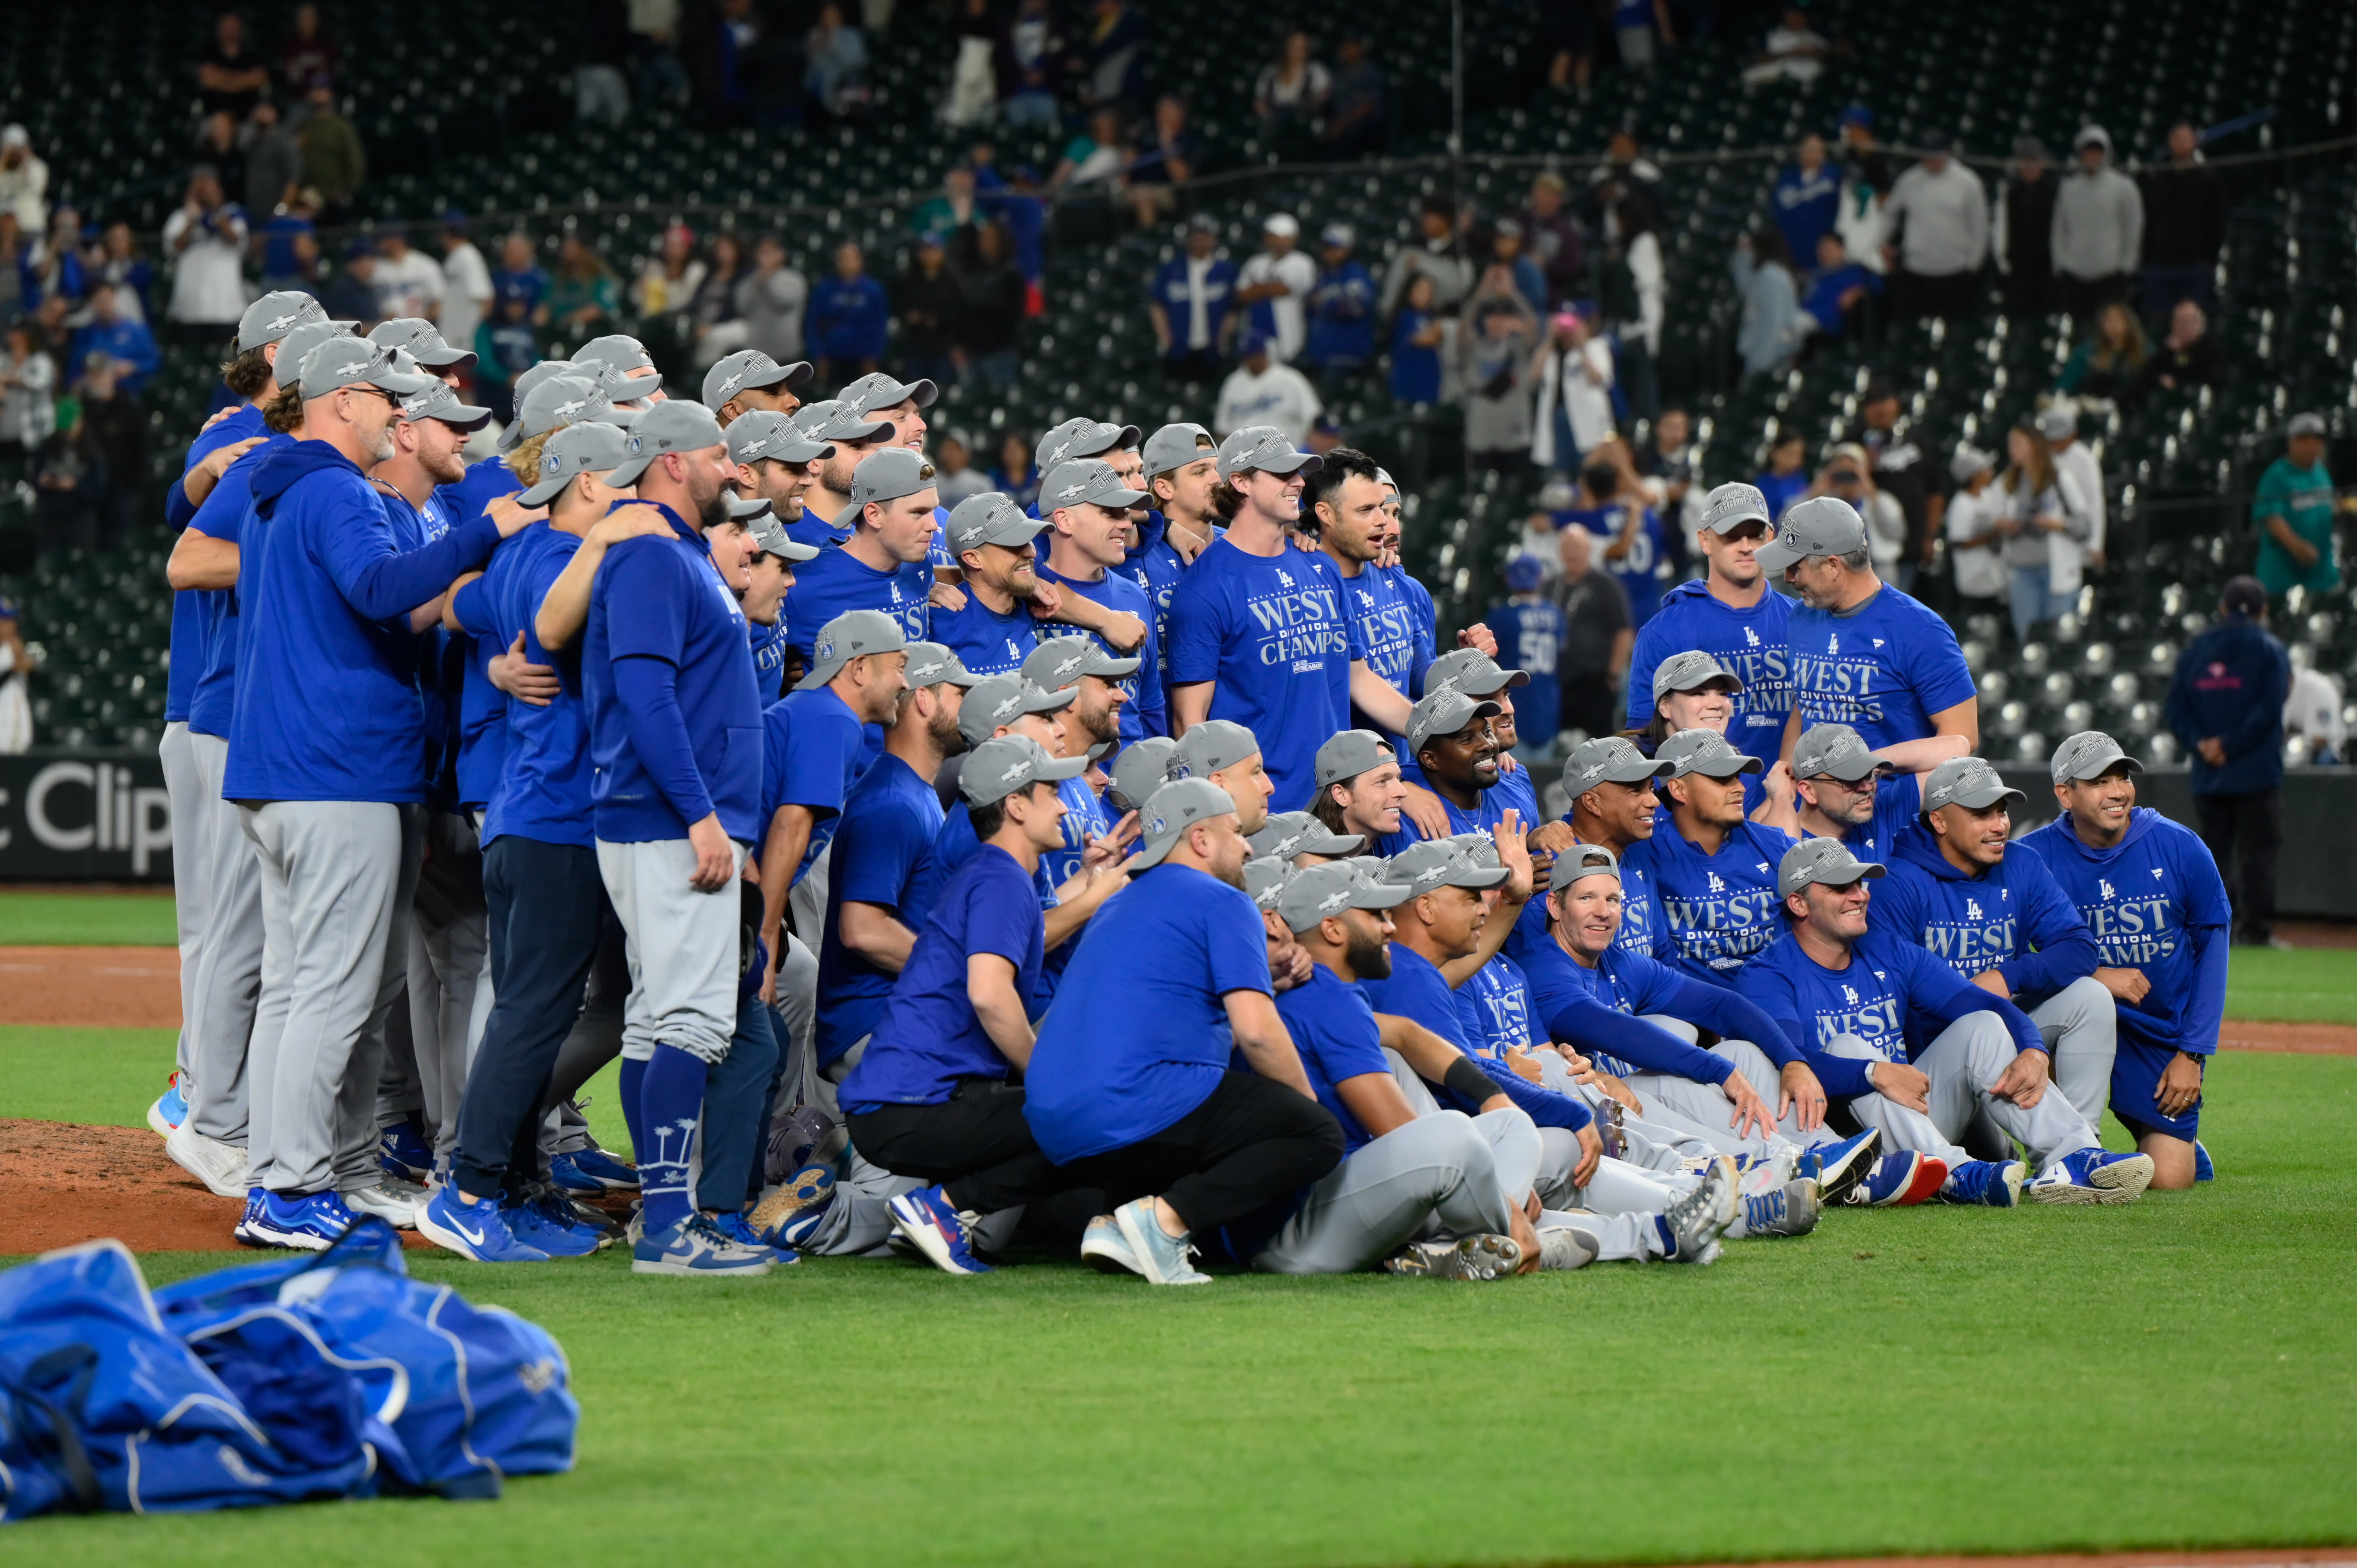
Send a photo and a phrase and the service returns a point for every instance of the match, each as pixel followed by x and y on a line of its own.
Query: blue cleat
pixel 592 1171
pixel 2203 1170
pixel 546 1219
pixel 2095 1176
pixel 735 1225
pixel 307 1224
pixel 1992 1183
pixel 244 1231
pixel 1838 1167
pixel 1888 1181
pixel 172 1108
pixel 938 1230
pixel 695 1248
pixel 403 1152
pixel 479 1231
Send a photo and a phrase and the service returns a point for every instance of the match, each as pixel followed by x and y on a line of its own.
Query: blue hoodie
pixel 1578 1008
pixel 328 707
pixel 2231 683
pixel 227 515
pixel 482 707
pixel 2011 916
pixel 2153 902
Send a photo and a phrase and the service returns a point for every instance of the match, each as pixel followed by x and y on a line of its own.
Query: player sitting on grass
pixel 1712 870
pixel 1862 997
pixel 2151 895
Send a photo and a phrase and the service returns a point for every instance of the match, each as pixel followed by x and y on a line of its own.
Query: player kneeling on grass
pixel 930 1097
pixel 1860 995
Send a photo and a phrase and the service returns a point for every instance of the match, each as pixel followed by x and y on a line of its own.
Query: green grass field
pixel 87 919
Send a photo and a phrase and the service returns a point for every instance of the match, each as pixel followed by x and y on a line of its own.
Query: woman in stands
pixel 2106 361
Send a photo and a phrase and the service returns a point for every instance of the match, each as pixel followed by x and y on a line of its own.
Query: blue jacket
pixel 2012 917
pixel 126 340
pixel 328 707
pixel 1806 208
pixel 2231 683
pixel 849 319
pixel 1170 289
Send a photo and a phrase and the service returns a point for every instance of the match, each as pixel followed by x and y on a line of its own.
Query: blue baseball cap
pixel 1524 574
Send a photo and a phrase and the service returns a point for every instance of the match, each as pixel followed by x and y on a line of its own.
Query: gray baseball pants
pixel 1467 1174
pixel 1968 1055
pixel 682 948
pixel 228 976
pixel 449 972
pixel 191 893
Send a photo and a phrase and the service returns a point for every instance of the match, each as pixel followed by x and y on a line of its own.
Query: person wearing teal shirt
pixel 2293 510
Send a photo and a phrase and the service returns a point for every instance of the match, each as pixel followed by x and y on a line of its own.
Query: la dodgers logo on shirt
pixel 1722 927
pixel 1975 943
pixel 1834 689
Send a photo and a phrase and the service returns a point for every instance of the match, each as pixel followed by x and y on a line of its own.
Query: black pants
pixel 548 907
pixel 975 1143
pixel 1202 365
pixel 2081 298
pixel 2253 824
pixel 1590 703
pixel 1252 1143
pixel 1954 297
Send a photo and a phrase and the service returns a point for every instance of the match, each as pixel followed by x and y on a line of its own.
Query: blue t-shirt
pixel 1386 636
pixel 813 750
pixel 1752 643
pixel 1717 909
pixel 1530 633
pixel 1883 670
pixel 985 641
pixel 1155 566
pixel 1897 803
pixel 954 844
pixel 1806 206
pixel 849 318
pixel 1649 545
pixel 1271 631
pixel 657 602
pixel 194 610
pixel 211 700
pixel 1144 713
pixel 441 657
pixel 930 1037
pixel 887 826
pixel 1131 1047
pixel 839 581
pixel 543 788
pixel 768 645
pixel 1415 366
pixel 1341 318
pixel 1176 294
pixel 1333 1029
pixel 1493 1008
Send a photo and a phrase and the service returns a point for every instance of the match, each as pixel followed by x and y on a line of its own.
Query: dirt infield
pixel 118 988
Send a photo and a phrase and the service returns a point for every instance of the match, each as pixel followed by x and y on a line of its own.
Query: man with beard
pixel 993 543
pixel 1449 736
pixel 1091 726
pixel 855 436
pixel 1087 504
pixel 1229 756
pixel 1731 614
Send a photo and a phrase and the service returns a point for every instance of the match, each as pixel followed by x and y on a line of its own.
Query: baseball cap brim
pixel 1876 765
pixel 1379 896
pixel 2097 770
pixel 1987 797
pixel 1515 680
pixel 1709 767
pixel 1291 462
pixel 445 358
pixel 1643 771
pixel 463 416
pixel 1778 554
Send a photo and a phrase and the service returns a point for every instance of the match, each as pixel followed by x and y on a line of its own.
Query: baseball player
pixel 1359 792
pixel 829 516
pixel 1476 673
pixel 883 564
pixel 1088 504
pixel 773 463
pixel 1342 508
pixel 995 629
pixel 1298 839
pixel 1100 683
pixel 1614 806
pixel 1868 1003
pixel 1695 690
pixel 1182 464
pixel 1229 756
pixel 628 359
pixel 1835 787
pixel 2150 894
pixel 1732 617
pixel 749 381
pixel 1449 735
pixel 1711 870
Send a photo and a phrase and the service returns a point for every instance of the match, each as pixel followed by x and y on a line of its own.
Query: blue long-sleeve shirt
pixel 195 609
pixel 1416 990
pixel 1565 997
pixel 2231 683
pixel 2011 917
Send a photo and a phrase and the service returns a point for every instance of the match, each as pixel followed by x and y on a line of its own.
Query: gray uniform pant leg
pixel 1419 1094
pixel 184 800
pixel 1619 1187
pixel 448 954
pixel 331 873
pixel 1967 1056
pixel 1616 1238
pixel 681 948
pixel 2080 1026
pixel 806 900
pixel 360 1163
pixel 1437 1166
pixel 227 974
pixel 797 1010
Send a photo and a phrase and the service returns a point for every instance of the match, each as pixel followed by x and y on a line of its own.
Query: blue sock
pixel 634 1078
pixel 671 1102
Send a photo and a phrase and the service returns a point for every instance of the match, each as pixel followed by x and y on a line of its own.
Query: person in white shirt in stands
pixel 1574 408
pixel 1940 209
pixel 1273 285
pixel 1974 545
pixel 204 239
pixel 2076 464
pixel 408 281
pixel 466 283
pixel 1263 390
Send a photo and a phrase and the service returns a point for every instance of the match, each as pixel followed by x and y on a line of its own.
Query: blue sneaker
pixel 2095 1176
pixel 480 1232
pixel 544 1220
pixel 1992 1183
pixel 2203 1170
pixel 592 1171
pixel 697 1248
pixel 172 1108
pixel 403 1152
pixel 244 1231
pixel 938 1231
pixel 1838 1167
pixel 794 1210
pixel 307 1224
pixel 733 1225
pixel 1161 1257
pixel 1888 1181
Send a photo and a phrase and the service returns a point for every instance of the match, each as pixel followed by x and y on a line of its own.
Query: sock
pixel 634 1078
pixel 670 1100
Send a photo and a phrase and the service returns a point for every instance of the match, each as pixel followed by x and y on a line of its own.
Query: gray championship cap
pixel 1707 752
pixel 997 768
pixel 1825 862
pixel 1175 445
pixel 1081 438
pixel 520 395
pixel 623 352
pixel 356 362
pixel 1140 771
pixel 439 401
pixel 1444 711
pixel 732 373
pixel 1584 859
pixel 747 511
pixel 834 422
pixel 561 400
pixel 769 536
pixel 1968 782
pixel 424 341
pixel 2304 425
pixel 1440 862
pixel 1691 673
pixel 2090 754
pixel 933 664
pixel 575 450
pixel 676 425
pixel 852 635
pixel 1731 506
pixel 1061 661
pixel 1212 746
pixel 1171 811
pixel 875 390
pixel 1349 754
pixel 1264 881
pixel 1608 759
pixel 1085 481
pixel 1264 449
pixel 1289 833
pixel 886 474
pixel 1472 671
pixel 1002 699
pixel 767 435
pixel 269 318
pixel 296 346
pixel 1836 751
pixel 1823 525
pixel 1322 892
pixel 990 518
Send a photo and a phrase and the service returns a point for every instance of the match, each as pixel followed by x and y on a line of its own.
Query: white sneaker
pixel 219 1165
pixel 393 1200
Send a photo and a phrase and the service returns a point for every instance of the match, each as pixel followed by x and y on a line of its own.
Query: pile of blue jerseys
pixel 318 1375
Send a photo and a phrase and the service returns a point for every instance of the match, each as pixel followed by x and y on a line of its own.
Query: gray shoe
pixel 1478 1257
pixel 1162 1257
pixel 1561 1247
pixel 1105 1249
pixel 393 1199
pixel 1699 1218
pixel 219 1165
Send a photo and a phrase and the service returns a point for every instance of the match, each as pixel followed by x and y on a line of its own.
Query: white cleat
pixel 219 1165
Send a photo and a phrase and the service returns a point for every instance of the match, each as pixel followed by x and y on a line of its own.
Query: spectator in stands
pixel 1416 334
pixel 2098 227
pixel 601 93
pixel 661 73
pixel 955 476
pixel 714 305
pixel 334 163
pixel 1612 505
pixel 1094 156
pixel 1670 461
pixel 2081 474
pixel 505 347
pixel 1575 395
pixel 720 59
pixel 1837 294
pixel 1976 559
pixel 1358 118
pixel 305 53
pixel 1436 255
pixel 1566 41
pixel 1793 52
pixel 54 270
pixel 1273 285
pixel 668 280
pixel 1529 628
pixel 117 432
pixel 770 304
pixel 1772 328
pixel 1551 237
pixel 849 319
pixel 1264 389
pixel 274 159
pixel 24 182
pixel 1111 61
pixel 408 281
pixel 927 300
pixel 1342 313
pixel 2022 232
pixel 521 275
pixel 954 213
pixel 1495 365
pixel 2293 511
pixel 1189 303
pixel 1901 469
pixel 992 297
pixel 1625 169
pixel 1014 476
pixel 2314 710
pixel 69 481
pixel 121 264
pixel 230 77
pixel 1639 26
pixel 1807 197
pixel 12 268
pixel 1939 210
pixel 1596 637
pixel 17 665
pixel 124 343
pixel 1291 89
pixel 2225 704
pixel 217 144
pixel 2108 361
pixel 205 237
pixel 972 97
pixel 1786 477
pixel 2184 226
pixel 837 53
pixel 350 293
pixel 1165 158
pixel 583 296
pixel 29 391
pixel 1029 57
pixel 1863 220
pixel 1630 292
pixel 2036 513
pixel 1507 250
pixel 1849 474
pixel 2188 356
